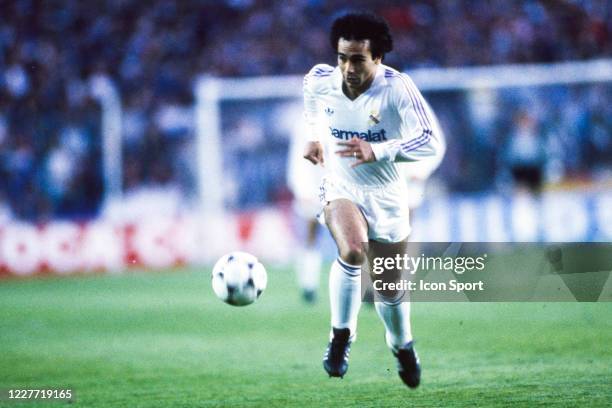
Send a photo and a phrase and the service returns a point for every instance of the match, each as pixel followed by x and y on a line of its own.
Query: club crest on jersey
pixel 374 118
pixel 329 111
pixel 368 136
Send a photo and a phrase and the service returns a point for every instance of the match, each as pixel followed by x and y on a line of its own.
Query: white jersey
pixel 392 115
pixel 303 177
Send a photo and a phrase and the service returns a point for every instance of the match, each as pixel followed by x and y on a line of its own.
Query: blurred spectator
pixel 524 154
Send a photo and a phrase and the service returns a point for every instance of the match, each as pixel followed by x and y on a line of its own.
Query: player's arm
pixel 313 150
pixel 421 136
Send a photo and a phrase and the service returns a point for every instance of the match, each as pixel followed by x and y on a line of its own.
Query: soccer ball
pixel 238 278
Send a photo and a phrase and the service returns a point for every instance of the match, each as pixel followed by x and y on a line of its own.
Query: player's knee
pixel 353 255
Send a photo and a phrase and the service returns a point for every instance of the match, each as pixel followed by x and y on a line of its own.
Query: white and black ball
pixel 238 278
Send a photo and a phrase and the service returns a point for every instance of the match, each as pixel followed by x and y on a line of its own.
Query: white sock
pixel 345 295
pixel 396 317
pixel 308 269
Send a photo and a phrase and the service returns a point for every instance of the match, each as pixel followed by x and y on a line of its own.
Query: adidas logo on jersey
pixel 368 136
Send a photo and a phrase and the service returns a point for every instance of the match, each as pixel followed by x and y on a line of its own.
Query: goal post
pixel 104 91
pixel 209 171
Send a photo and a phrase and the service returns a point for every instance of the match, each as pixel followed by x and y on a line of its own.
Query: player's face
pixel 357 65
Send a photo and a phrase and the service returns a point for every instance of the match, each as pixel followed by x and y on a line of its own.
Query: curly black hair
pixel 363 26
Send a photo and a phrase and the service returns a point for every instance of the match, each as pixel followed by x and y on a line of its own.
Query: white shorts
pixel 306 208
pixel 384 208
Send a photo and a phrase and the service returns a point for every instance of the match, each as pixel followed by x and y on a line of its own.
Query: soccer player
pixel 304 180
pixel 374 118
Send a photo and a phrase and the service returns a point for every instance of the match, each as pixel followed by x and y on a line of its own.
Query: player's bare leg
pixel 393 307
pixel 313 228
pixel 350 230
pixel 309 263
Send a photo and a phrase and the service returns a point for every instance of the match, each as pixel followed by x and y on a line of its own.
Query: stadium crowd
pixel 50 149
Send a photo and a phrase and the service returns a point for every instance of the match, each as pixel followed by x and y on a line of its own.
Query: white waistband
pixel 363 187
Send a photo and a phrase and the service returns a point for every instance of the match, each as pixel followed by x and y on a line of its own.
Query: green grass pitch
pixel 163 340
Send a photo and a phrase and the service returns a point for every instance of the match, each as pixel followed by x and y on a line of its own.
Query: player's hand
pixel 358 149
pixel 314 153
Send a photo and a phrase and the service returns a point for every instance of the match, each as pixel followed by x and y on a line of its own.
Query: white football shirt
pixel 392 115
